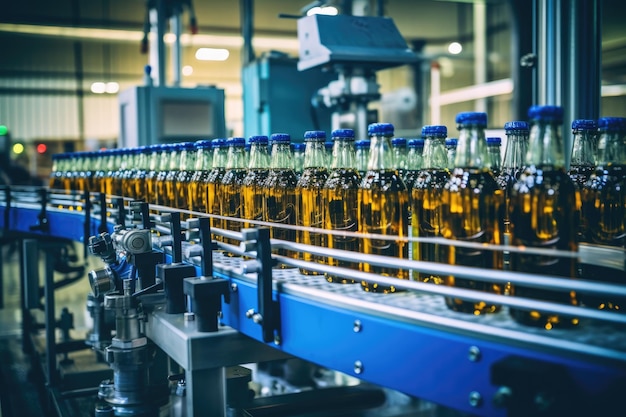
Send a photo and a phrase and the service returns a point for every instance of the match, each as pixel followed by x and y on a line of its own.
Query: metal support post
pixel 212 401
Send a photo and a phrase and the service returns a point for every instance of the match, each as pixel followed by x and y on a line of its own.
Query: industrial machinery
pixel 354 47
pixel 192 313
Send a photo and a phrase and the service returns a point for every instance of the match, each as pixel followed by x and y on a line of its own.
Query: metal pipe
pixel 157 43
pixel 549 60
pixel 582 70
pixel 176 25
pixel 247 31
pixel 480 50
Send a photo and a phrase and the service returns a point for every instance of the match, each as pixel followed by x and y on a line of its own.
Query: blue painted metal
pixel 427 362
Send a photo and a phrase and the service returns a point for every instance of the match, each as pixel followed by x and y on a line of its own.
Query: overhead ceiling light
pixel 112 87
pixel 212 54
pixel 98 88
pixel 187 70
pixel 326 10
pixel 455 48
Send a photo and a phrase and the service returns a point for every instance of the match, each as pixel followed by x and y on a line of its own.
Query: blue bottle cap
pixel 328 145
pixel 472 118
pixel 435 130
pixel 612 124
pixel 398 142
pixel 584 124
pixel 218 143
pixel 493 141
pixel 343 133
pixel 239 142
pixel 314 134
pixel 298 147
pixel 362 144
pixel 451 142
pixel 546 113
pixel 516 125
pixel 260 139
pixel 188 146
pixel 280 138
pixel 203 144
pixel 385 129
pixel 416 143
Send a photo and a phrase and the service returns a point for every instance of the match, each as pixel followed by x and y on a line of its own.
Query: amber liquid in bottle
pixel 542 215
pixel 197 189
pixel 604 203
pixel 253 194
pixel 231 201
pixel 340 199
pixel 475 207
pixel 427 218
pixel 309 201
pixel 280 204
pixel 383 209
pixel 213 190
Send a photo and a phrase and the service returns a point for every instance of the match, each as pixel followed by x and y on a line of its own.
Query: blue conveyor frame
pixel 432 358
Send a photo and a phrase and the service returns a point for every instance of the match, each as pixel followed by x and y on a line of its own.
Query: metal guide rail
pixel 410 341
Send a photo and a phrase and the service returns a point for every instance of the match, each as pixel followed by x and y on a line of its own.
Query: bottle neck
pixel 282 158
pixel 515 151
pixel 400 156
pixel 142 161
pixel 495 156
pixel 344 156
pixel 545 147
pixel 611 149
pixel 175 162
pixel 236 158
pixel 582 149
pixel 471 147
pixel 164 160
pixel 415 160
pixel 204 159
pixel 381 155
pixel 259 158
pixel 220 157
pixel 315 154
pixel 154 160
pixel 435 155
pixel 187 160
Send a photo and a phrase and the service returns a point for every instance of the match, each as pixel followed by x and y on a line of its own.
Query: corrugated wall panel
pixel 35 116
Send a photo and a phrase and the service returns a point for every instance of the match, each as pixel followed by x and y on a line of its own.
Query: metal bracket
pixel 42 218
pixel 102 227
pixel 173 219
pixel 121 212
pixel 268 314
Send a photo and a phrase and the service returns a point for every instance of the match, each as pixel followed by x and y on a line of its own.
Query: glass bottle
pixel 186 169
pixel 362 149
pixel 157 163
pixel 214 179
pixel 252 187
pixel 415 162
pixel 172 174
pixel 328 154
pixel 383 207
pixel 123 166
pixel 494 153
pixel 340 201
pixel 451 144
pixel 113 187
pixel 309 208
pixel 279 205
pixel 298 150
pixel 231 198
pixel 130 169
pixel 196 193
pixel 604 206
pixel 543 215
pixel 139 184
pixel 100 174
pixel 426 200
pixel 400 152
pixel 54 181
pixel 582 164
pixel 168 155
pixel 472 212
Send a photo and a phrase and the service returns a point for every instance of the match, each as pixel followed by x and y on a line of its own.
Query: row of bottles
pixel 434 186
